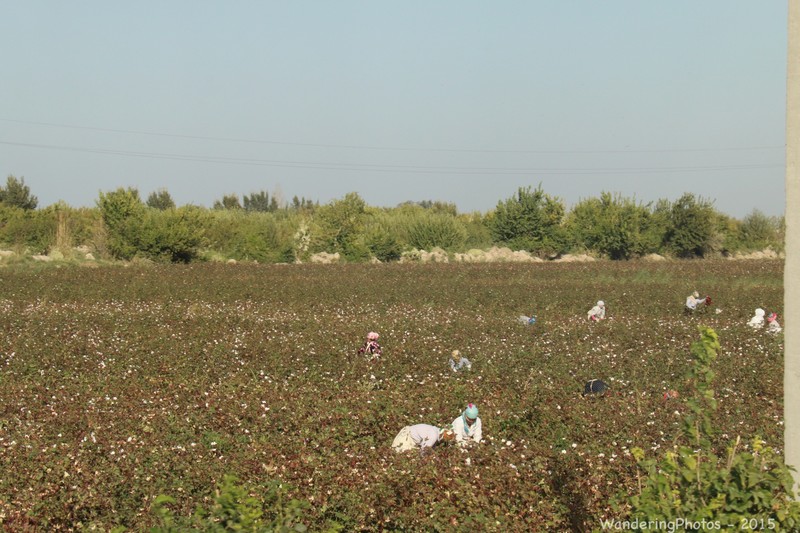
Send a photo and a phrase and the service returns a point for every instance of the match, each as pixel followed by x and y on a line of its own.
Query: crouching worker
pixel 467 427
pixel 774 326
pixel 757 322
pixel 693 300
pixel 598 312
pixel 459 363
pixel 371 348
pixel 420 436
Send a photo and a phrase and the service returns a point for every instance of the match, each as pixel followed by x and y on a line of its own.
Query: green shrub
pixel 693 484
pixel 437 231
pixel 691 228
pixel 339 225
pixel 252 235
pixel 758 231
pixel 123 212
pixel 530 220
pixel 23 228
pixel 383 245
pixel 235 509
pixel 172 235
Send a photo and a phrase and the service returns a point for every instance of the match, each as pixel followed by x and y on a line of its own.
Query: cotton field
pixel 120 384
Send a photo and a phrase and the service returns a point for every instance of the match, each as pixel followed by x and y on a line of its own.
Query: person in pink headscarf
pixel 371 348
pixel 774 326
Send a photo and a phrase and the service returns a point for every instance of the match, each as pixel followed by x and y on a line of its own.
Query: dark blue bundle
pixel 595 386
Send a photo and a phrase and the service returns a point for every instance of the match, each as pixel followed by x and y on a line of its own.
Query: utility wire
pixel 411 169
pixel 390 148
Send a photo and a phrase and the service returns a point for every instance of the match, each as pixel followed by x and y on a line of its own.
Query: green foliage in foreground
pixel 694 484
pixel 235 509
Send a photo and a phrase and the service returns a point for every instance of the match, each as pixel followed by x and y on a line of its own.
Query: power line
pixel 410 169
pixel 390 148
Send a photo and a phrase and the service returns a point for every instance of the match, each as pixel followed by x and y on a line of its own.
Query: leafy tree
pixel 259 202
pixel 383 244
pixel 691 229
pixel 173 235
pixel 17 194
pixel 530 220
pixel 263 237
pixel 229 201
pixel 436 206
pixel 25 228
pixel 610 225
pixel 340 224
pixel 758 231
pixel 478 234
pixel 123 213
pixel 436 230
pixel 161 200
pixel 301 204
pixel 654 232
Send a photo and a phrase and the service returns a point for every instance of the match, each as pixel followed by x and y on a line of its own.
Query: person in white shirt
pixel 457 362
pixel 598 312
pixel 420 436
pixel 693 300
pixel 758 319
pixel 468 427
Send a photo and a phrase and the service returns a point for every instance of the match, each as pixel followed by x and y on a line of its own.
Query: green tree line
pixel 259 227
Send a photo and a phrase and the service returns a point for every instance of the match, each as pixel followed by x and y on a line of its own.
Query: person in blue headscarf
pixel 467 427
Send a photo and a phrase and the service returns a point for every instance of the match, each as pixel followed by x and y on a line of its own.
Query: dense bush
pixel 383 245
pixel 436 231
pixel 123 214
pixel 610 226
pixel 172 235
pixel 339 226
pixel 255 236
pixel 34 231
pixel 234 509
pixel 530 220
pixel 691 227
pixel 262 230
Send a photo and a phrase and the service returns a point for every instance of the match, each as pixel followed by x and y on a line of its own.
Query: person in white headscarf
pixel 598 312
pixel 757 322
pixel 421 436
pixel 693 300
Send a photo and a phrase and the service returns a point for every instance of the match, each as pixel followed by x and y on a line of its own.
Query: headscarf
pixel 470 412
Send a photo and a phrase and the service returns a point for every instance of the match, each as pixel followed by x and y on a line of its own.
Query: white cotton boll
pixel 468 461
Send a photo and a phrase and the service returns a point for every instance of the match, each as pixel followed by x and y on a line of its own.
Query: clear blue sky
pixel 459 101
